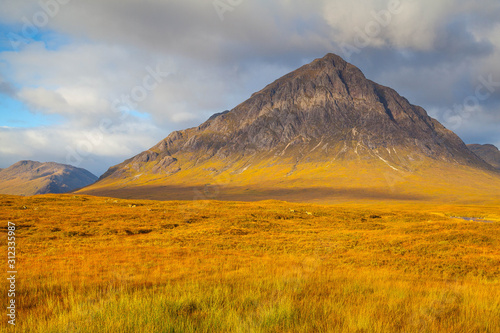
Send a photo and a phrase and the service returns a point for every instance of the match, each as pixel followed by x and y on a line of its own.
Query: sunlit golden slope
pixel 313 182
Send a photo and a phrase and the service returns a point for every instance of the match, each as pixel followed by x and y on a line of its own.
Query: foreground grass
pixel 91 264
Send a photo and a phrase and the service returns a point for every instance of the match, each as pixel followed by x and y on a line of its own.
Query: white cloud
pixel 44 100
pixel 213 65
pixel 92 149
pixel 387 23
pixel 81 82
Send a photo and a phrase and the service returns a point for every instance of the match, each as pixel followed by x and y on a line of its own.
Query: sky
pixel 93 82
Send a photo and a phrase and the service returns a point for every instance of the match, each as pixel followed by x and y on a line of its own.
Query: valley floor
pixel 97 264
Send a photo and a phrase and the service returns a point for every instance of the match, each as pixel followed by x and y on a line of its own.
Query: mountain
pixel 30 178
pixel 323 129
pixel 488 153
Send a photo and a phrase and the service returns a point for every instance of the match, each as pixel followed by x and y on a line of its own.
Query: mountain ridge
pixel 221 123
pixel 324 115
pixel 487 152
pixel 31 178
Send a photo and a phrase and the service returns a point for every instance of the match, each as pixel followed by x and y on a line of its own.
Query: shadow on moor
pixel 241 193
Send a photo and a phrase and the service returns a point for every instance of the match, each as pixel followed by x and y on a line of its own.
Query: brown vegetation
pixel 89 264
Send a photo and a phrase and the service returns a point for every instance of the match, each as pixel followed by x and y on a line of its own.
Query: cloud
pixel 45 100
pixel 81 82
pixel 6 88
pixel 92 148
pixel 90 54
pixel 396 23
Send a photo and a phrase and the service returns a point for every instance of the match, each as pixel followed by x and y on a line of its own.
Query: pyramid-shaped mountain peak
pixel 328 100
pixel 326 113
pixel 331 60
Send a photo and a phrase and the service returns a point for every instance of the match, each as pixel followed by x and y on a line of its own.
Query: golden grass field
pixel 96 264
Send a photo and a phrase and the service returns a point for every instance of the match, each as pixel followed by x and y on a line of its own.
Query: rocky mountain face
pixel 488 153
pixel 30 178
pixel 323 115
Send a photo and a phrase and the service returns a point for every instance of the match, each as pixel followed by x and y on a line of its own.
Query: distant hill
pixel 30 178
pixel 323 130
pixel 489 153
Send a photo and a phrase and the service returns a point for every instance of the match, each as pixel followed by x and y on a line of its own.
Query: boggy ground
pixel 95 264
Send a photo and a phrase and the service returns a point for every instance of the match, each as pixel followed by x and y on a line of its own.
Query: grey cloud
pixel 7 88
pixel 192 29
pixel 433 53
pixel 89 148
